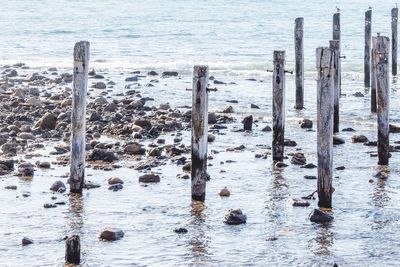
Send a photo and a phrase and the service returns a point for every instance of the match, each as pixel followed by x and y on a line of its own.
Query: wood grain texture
pixel 299 64
pixel 73 250
pixel 336 35
pixel 278 106
pixel 334 46
pixel 367 48
pixel 395 17
pixel 373 76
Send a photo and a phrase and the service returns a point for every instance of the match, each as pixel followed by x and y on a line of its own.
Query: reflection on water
pixel 322 243
pixel 74 215
pixel 198 241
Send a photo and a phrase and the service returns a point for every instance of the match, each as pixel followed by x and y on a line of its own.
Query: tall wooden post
pixel 78 129
pixel 381 58
pixel 299 67
pixel 336 36
pixel 199 132
pixel 73 250
pixel 373 76
pixel 334 46
pixel 367 49
pixel 278 106
pixel 325 61
pixel 395 17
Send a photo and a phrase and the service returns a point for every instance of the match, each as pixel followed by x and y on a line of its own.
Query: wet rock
pixel 180 230
pixel 155 152
pixel 48 121
pixel 381 175
pixel 271 238
pixel 290 143
pixel 7 164
pixel 235 217
pixel 26 194
pixel 309 166
pixel 90 185
pixel 101 154
pixel 349 129
pixel 224 192
pixel 95 116
pixel 115 187
pixel 359 139
pixel 247 123
pixel 134 149
pixel 25 169
pixel 297 202
pixel 58 186
pixel 9 148
pixel 280 164
pixel 99 85
pixel 149 178
pixel 320 216
pixel 11 187
pixel 183 176
pixel 111 234
pixel 266 129
pixel 166 74
pixel 340 168
pixel 210 138
pixel 254 106
pixel 132 79
pixel 152 73
pixel 337 140
pixel 358 94
pixel 310 177
pixel 43 164
pixel 394 129
pixel 49 206
pixel 306 124
pixel 227 109
pixel 26 241
pixel 219 82
pixel 146 124
pixel 298 159
pixel 371 143
pixel 212 118
pixel 115 180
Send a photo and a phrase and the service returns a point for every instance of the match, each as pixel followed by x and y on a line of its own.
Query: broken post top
pixel 368 15
pixel 299 24
pixel 81 51
pixel 381 49
pixel 336 25
pixel 334 44
pixel 395 13
pixel 200 71
pixel 324 57
pixel 279 55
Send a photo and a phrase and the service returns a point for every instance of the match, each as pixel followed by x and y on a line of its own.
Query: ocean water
pixel 237 40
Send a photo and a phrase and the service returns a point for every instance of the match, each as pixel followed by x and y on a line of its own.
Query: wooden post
pixel 199 132
pixel 299 67
pixel 73 250
pixel 334 46
pixel 278 106
pixel 395 17
pixel 336 36
pixel 367 49
pixel 325 62
pixel 381 58
pixel 373 76
pixel 78 129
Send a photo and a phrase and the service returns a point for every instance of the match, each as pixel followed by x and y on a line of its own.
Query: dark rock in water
pixel 227 109
pixel 218 127
pixel 266 129
pixel 338 140
pixel 183 176
pixel 101 154
pixel 381 175
pixel 288 142
pixel 180 230
pixel 25 169
pixel 298 159
pixel 134 149
pixel 43 164
pixel 271 238
pixel 359 139
pixel 296 202
pixel 212 118
pixel 306 124
pixel 348 130
pixel 115 180
pixel 99 85
pixel 11 187
pixel 310 177
pixel 115 187
pixel 90 185
pixel 394 128
pixel 26 241
pixel 280 164
pixel 146 124
pixel 48 121
pixel 309 166
pixel 254 106
pixel 92 72
pixel 7 164
pixel 155 152
pixel 340 168
pixel 152 73
pixel 210 138
pixel 320 216
pixel 48 206
pixel 58 186
pixel 111 234
pixel 235 217
pixel 371 143
pixel 95 116
pixel 149 178
pixel 358 94
pixel 247 123
pixel 132 79
pixel 169 74
pixel 224 192
pixel 218 82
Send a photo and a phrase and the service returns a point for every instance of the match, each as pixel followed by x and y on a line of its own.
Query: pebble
pixel 235 217
pixel 310 177
pixel 26 241
pixel 111 234
pixel 224 192
pixel 11 187
pixel 180 230
pixel 297 202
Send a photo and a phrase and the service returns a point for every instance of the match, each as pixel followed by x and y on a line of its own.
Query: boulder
pixel 149 178
pixel 134 149
pixel 25 169
pixel 359 139
pixel 58 186
pixel 99 85
pixel 224 192
pixel 48 121
pixel 320 216
pixel 235 217
pixel 306 124
pixel 111 234
pixel 298 159
pixel 26 241
pixel 247 123
pixel 115 180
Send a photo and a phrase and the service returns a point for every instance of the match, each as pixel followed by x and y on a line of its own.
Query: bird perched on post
pixel 337 9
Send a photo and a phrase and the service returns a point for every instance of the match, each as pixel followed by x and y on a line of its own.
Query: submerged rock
pixel 235 217
pixel 318 216
pixel 115 187
pixel 26 241
pixel 180 230
pixel 111 234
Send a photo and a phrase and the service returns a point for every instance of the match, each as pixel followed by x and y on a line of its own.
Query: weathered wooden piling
pixel 199 132
pixel 395 17
pixel 278 106
pixel 373 76
pixel 381 59
pixel 325 68
pixel 334 46
pixel 336 36
pixel 248 123
pixel 78 120
pixel 367 49
pixel 73 250
pixel 299 66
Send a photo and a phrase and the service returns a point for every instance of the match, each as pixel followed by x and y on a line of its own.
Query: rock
pixel 26 136
pixel 99 85
pixel 394 128
pixel 152 73
pixel 310 177
pixel 340 168
pixel 271 238
pixel 247 123
pixel 359 139
pixel 280 164
pixel 33 101
pixel 115 180
pixel 358 94
pixel 212 118
pixel 100 101
pixel 48 121
pixel 235 217
pixel 26 241
pixel 288 142
pixel 371 143
pixel 166 74
pixel 298 159
pixel 210 138
pixel 115 187
pixel 58 186
pixel 381 175
pixel 183 176
pixel 309 166
pixel 132 79
pixel 7 164
pixel 134 149
pixel 180 230
pixel 348 130
pixel 25 169
pixel 254 106
pixel 337 140
pixel 155 152
pixel 227 109
pixel 43 164
pixel 297 202
pixel 11 187
pixel 266 129
pixel 94 116
pixel 306 124
pixel 101 154
pixel 320 216
pixel 224 192
pixel 49 206
pixel 111 234
pixel 146 124
pixel 219 82
pixel 149 178
pixel 90 185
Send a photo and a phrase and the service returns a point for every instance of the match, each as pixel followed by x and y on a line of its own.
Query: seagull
pixel 337 9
